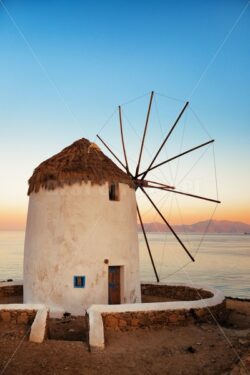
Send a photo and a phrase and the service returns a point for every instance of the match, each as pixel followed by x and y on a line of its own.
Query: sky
pixel 66 66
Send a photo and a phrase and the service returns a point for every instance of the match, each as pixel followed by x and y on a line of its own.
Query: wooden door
pixel 114 285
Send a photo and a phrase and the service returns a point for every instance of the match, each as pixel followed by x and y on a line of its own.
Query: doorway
pixel 114 285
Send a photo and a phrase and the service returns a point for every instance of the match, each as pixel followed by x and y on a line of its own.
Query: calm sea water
pixel 221 260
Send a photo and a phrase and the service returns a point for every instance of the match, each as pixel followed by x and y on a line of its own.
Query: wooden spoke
pixel 105 144
pixel 182 192
pixel 122 137
pixel 159 183
pixel 168 225
pixel 165 140
pixel 144 133
pixel 147 244
pixel 175 157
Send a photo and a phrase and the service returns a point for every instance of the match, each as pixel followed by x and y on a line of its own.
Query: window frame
pixel 114 195
pixel 75 281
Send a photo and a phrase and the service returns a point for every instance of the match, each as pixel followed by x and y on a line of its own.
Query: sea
pixel 221 260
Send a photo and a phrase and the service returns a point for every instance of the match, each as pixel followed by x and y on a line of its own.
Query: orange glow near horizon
pixel 15 219
pixel 240 214
pixel 12 219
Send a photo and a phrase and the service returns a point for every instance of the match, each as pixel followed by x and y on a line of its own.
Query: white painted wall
pixel 71 231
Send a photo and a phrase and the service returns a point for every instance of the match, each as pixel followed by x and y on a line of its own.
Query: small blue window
pixel 79 281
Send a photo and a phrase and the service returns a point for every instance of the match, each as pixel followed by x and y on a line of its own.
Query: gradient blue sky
pixel 65 66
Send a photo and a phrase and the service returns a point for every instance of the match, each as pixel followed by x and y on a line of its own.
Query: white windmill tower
pixel 81 244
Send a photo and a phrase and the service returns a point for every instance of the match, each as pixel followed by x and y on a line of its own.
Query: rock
pixel 239 370
pixel 190 349
pixel 173 318
pixel 235 371
pixel 247 361
pixel 5 315
pixel 135 322
pixel 111 321
pixel 122 323
pixel 23 318
pixel 243 342
pixel 200 313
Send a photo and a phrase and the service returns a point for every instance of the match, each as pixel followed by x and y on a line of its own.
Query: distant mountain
pixel 215 226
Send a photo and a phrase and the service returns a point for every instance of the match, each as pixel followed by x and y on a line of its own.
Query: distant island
pixel 215 226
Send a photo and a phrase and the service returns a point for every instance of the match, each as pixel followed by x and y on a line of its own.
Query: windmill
pixel 141 182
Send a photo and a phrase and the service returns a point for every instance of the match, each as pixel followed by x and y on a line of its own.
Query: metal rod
pixel 165 140
pixel 181 192
pixel 177 156
pixel 168 225
pixel 147 244
pixel 144 133
pixel 122 137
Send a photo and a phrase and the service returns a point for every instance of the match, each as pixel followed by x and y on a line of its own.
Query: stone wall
pixel 157 314
pixel 17 316
pixel 36 316
pixel 126 321
pixel 11 290
pixel 175 292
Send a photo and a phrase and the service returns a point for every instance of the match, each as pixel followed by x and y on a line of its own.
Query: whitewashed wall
pixel 71 231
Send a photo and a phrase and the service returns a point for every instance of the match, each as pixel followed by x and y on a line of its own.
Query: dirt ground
pixel 194 349
pixel 69 328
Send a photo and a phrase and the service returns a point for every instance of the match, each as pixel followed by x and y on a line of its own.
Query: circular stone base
pixel 172 292
pixel 166 305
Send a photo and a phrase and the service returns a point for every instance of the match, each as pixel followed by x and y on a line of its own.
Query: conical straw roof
pixel 82 161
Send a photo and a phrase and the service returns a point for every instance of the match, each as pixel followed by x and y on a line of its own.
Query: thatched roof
pixel 82 161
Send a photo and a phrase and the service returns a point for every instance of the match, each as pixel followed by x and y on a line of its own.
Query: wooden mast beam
pixel 165 140
pixel 159 183
pixel 181 192
pixel 144 133
pixel 175 157
pixel 105 144
pixel 122 137
pixel 168 225
pixel 147 244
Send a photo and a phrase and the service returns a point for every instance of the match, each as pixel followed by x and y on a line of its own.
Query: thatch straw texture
pixel 82 161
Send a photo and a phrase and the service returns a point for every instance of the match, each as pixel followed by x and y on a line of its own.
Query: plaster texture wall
pixel 71 231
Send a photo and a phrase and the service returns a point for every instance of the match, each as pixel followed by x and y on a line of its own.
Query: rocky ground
pixel 190 350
